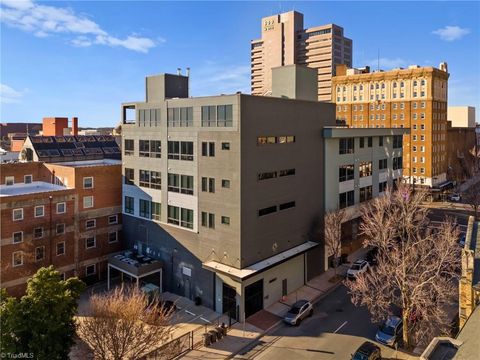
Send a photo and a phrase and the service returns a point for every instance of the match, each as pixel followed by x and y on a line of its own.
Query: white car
pixel 455 197
pixel 358 267
pixel 299 311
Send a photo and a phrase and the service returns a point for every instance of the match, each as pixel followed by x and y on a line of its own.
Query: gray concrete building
pixel 226 191
pixel 361 164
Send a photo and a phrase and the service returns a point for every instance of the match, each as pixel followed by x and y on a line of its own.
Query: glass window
pixel 61 208
pixel 144 208
pixel 112 237
pixel 382 164
pixel 224 115
pixel 211 185
pixel 17 258
pixel 173 215
pixel 112 219
pixel 39 253
pixel 27 179
pixel 267 210
pixel 208 116
pixel 60 229
pixel 346 146
pixel 87 202
pixel 9 180
pixel 204 218
pixel 225 183
pixel 129 176
pixel 144 179
pixel 90 270
pixel 187 218
pixel 90 242
pixel 174 150
pixel 17 237
pixel 144 148
pixel 186 182
pixel 346 199
pixel 365 168
pixel 61 248
pixel 90 224
pixel 225 220
pixel 129 205
pixel 129 147
pixel 156 210
pixel 211 221
pixel 38 232
pixel 345 173
pixel 39 211
pixel 186 148
pixel 174 182
pixel 286 205
pixel 225 146
pixel 365 193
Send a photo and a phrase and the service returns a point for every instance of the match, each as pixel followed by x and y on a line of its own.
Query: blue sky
pixel 84 59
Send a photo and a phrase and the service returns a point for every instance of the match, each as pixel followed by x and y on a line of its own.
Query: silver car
pixel 299 311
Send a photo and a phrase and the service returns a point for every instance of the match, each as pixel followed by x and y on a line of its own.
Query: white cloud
pixel 451 33
pixel 214 78
pixel 8 95
pixel 387 63
pixel 44 20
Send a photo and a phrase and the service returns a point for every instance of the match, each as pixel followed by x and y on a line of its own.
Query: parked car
pixel 461 240
pixel 454 197
pixel 371 256
pixel 299 311
pixel 390 331
pixel 358 267
pixel 367 351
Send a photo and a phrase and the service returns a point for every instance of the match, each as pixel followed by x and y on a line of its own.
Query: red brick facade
pixel 64 239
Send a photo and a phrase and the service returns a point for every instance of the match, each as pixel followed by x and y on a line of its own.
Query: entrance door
pixel 229 302
pixel 187 288
pixel 253 298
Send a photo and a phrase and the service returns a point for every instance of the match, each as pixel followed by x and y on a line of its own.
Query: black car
pixel 367 351
pixel 371 256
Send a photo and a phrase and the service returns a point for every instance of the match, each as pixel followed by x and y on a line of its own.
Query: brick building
pixel 66 214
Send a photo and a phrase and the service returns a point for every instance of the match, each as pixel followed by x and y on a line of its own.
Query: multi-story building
pixel 462 160
pixel 225 191
pixel 66 214
pixel 414 98
pixel 284 41
pixel 461 116
pixel 362 164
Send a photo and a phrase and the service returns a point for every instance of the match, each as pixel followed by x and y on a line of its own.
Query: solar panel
pixel 69 139
pixel 47 139
pixel 66 152
pixel 107 150
pixel 100 138
pixel 77 152
pixel 53 152
pixel 42 153
pixel 109 138
pixel 59 139
pixel 93 151
pixel 116 150
pixel 79 145
pixel 36 139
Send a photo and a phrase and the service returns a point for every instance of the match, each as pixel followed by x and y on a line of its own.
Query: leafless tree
pixel 333 234
pixel 472 197
pixel 124 324
pixel 417 269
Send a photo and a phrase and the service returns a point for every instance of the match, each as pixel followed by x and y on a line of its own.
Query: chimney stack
pixel 75 126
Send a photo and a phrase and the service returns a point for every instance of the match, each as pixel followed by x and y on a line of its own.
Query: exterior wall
pixel 461 116
pixel 107 190
pixel 54 126
pixel 391 106
pixel 285 42
pixel 461 149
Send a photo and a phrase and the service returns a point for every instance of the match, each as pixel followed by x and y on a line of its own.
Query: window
pixel 129 205
pixel 129 176
pixel 61 208
pixel 345 173
pixel 365 168
pixel 397 141
pixel 156 209
pixel 211 185
pixel 186 218
pixel 17 258
pixel 144 208
pixel 414 127
pixel 90 224
pixel 208 116
pixel 60 229
pixel 286 205
pixel 225 183
pixel 286 172
pixel 9 180
pixel 224 115
pixel 225 220
pixel 88 202
pixel 112 219
pixel 90 270
pixel 422 126
pixel 38 233
pixel 174 150
pixel 90 242
pixel 267 175
pixel 225 146
pixel 382 164
pixel 346 199
pixel 88 182
pixel 211 221
pixel 346 146
pixel 61 248
pixel 365 193
pixel 144 148
pixel 422 137
pixel 112 237
pixel 380 141
pixel 204 219
pixel 174 182
pixel 397 163
pixel 144 179
pixel 155 147
pixel 382 187
pixel 262 140
pixel 27 179
pixel 39 211
pixel 129 147
pixel 17 237
pixel 182 116
pixel 173 215
pixel 39 253
pixel 362 142
pixel 267 210
pixel 369 141
pixel 186 148
pixel 17 214
pixel 422 170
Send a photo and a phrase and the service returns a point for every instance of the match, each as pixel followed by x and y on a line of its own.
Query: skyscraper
pixel 284 41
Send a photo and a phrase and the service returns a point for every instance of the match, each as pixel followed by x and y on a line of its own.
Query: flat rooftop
pixel 89 163
pixel 345 131
pixel 32 188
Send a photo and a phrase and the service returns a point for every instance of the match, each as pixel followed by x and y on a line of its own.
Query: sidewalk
pixel 239 338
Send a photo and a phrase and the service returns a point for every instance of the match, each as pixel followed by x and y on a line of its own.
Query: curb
pixel 271 328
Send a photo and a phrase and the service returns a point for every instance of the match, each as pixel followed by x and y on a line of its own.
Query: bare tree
pixel 333 234
pixel 472 197
pixel 124 324
pixel 417 266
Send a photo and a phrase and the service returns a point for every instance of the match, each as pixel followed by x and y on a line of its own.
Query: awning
pixel 444 185
pixel 245 273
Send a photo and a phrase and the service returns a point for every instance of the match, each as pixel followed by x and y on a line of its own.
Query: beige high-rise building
pixel 284 41
pixel 414 98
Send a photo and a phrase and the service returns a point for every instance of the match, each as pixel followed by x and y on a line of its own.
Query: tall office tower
pixel 414 98
pixel 285 42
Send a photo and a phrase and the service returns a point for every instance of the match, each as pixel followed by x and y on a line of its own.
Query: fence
pixel 190 340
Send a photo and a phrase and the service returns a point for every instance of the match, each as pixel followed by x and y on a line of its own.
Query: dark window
pixel 112 219
pixel 156 209
pixel 112 237
pixel 397 163
pixel 211 149
pixel 204 149
pixel 209 116
pixel 174 182
pixel 129 147
pixel 60 229
pixel 346 146
pixel 204 218
pixel 345 173
pixel 61 248
pixel 365 193
pixel 173 215
pixel 186 184
pixel 225 146
pixel 204 184
pixel 129 176
pixel 225 183
pixel 174 150
pixel 155 148
pixel 129 205
pixel 90 224
pixel 346 199
pixel 144 179
pixel 362 142
pixel 397 141
pixel 286 172
pixel 382 164
pixel 90 242
pixel 39 253
pixel 187 218
pixel 144 148
pixel 286 205
pixel 17 237
pixel 38 233
pixel 224 115
pixel 211 185
pixel 186 148
pixel 211 221
pixel 225 220
pixel 380 141
pixel 155 180
pixel 267 210
pixel 144 208
pixel 267 175
pixel 382 186
pixel 369 141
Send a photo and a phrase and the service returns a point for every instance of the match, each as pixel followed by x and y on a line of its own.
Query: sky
pixel 84 58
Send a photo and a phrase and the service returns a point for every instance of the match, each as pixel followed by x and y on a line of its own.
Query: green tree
pixel 42 321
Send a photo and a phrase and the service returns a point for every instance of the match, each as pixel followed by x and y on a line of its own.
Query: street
pixel 335 331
